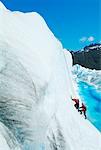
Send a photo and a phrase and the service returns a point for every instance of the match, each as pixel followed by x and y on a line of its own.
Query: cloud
pixel 91 38
pixel 83 39
pixel 87 39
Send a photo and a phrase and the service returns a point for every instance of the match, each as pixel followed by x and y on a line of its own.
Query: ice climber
pixel 83 109
pixel 76 103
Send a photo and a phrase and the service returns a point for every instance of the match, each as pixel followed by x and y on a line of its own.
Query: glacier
pixel 89 89
pixel 91 76
pixel 36 85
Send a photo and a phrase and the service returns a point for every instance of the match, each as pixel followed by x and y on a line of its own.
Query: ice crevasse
pixel 36 85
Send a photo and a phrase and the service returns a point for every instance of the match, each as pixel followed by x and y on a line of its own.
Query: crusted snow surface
pixel 36 111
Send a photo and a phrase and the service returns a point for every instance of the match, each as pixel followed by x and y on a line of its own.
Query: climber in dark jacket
pixel 76 103
pixel 83 109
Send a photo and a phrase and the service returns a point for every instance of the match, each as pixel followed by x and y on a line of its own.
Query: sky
pixel 76 23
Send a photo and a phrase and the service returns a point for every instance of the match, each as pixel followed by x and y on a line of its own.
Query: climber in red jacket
pixel 83 109
pixel 76 103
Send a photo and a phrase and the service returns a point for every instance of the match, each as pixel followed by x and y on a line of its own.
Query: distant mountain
pixel 89 57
